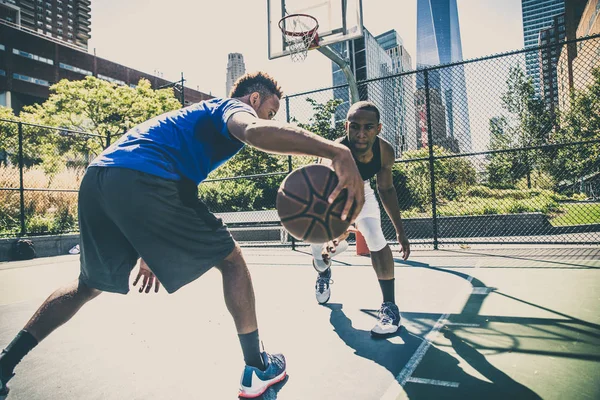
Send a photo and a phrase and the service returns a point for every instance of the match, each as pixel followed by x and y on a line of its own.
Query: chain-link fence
pixel 484 155
pixel 485 152
pixel 40 171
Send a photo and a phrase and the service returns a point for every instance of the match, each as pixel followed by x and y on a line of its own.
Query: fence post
pixel 21 183
pixel 431 163
pixel 287 118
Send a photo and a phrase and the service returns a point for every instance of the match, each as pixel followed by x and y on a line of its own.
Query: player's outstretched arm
pixel 388 195
pixel 281 138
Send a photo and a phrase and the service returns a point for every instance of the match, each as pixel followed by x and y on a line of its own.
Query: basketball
pixel 303 207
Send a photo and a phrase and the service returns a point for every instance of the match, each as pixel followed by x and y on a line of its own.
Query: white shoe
pixel 322 287
pixel 389 320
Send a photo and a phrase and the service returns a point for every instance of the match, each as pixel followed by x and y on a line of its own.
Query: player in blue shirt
pixel 139 200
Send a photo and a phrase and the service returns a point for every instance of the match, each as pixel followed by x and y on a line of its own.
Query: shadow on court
pixel 563 337
pixel 271 393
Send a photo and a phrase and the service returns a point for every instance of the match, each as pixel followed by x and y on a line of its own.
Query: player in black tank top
pixel 371 168
pixel 374 157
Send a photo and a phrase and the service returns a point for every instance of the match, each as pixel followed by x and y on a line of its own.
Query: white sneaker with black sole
pixel 389 321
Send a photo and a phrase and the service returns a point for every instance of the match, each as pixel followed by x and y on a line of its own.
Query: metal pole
pixel 182 91
pixel 287 118
pixel 21 183
pixel 345 67
pixel 431 163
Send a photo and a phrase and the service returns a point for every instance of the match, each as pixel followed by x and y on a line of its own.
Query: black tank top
pixel 370 169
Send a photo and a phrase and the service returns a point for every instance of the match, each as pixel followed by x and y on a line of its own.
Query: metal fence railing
pixel 483 155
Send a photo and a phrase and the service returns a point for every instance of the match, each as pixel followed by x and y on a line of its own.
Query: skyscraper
pixel 548 57
pixel 537 15
pixel 66 20
pixel 404 87
pixel 438 42
pixel 369 60
pixel 235 69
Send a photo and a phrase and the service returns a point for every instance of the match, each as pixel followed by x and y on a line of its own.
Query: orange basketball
pixel 303 208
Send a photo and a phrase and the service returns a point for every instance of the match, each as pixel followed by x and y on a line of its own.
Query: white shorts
pixel 368 221
pixel 371 207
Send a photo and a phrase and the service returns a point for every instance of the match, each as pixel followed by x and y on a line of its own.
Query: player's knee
pixel 85 291
pixel 235 259
pixel 371 230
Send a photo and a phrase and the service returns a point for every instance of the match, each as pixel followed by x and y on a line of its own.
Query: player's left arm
pixel 388 195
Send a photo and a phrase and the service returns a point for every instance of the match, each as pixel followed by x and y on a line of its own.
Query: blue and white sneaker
pixel 323 286
pixel 255 382
pixel 388 320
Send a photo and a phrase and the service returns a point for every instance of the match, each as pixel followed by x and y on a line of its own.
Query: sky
pixel 195 37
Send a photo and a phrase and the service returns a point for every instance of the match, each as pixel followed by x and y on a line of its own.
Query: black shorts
pixel 126 214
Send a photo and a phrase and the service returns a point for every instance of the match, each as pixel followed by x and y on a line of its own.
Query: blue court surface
pixel 479 323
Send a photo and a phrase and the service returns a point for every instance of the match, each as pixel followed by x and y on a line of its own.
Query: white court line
pixel 462 324
pixel 395 390
pixel 433 382
pixel 482 290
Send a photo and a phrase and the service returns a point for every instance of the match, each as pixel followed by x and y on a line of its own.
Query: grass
pixel 577 214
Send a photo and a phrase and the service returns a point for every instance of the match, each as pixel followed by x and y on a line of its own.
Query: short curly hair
pixel 260 82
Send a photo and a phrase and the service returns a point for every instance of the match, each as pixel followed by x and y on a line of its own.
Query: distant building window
pixel 33 56
pixel 2 72
pixel 111 80
pixel 29 79
pixel 2 47
pixel 49 19
pixel 75 69
pixel 70 35
pixel 59 31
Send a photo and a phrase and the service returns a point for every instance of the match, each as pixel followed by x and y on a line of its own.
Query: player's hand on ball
pixel 349 178
pixel 149 278
pixel 404 245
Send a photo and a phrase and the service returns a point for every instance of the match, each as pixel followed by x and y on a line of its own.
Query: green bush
pixel 453 176
pixel 231 195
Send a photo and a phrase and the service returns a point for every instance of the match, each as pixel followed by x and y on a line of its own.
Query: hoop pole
pixel 345 67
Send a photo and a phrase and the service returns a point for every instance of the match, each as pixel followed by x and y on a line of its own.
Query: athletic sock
pixel 251 349
pixel 387 289
pixel 15 351
pixel 326 273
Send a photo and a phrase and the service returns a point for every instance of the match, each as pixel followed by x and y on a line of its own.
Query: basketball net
pixel 300 33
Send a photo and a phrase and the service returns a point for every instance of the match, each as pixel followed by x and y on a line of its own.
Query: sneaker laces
pixel 323 282
pixel 275 360
pixel 386 315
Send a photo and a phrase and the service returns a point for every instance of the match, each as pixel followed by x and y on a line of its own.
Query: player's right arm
pixel 281 138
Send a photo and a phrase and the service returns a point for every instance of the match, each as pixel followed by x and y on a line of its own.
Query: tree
pixel 8 133
pixel 527 124
pixel 453 176
pixel 580 122
pixel 102 109
pixel 323 121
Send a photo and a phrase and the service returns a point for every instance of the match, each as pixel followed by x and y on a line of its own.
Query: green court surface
pixel 480 323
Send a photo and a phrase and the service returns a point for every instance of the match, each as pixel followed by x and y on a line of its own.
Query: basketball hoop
pixel 300 33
